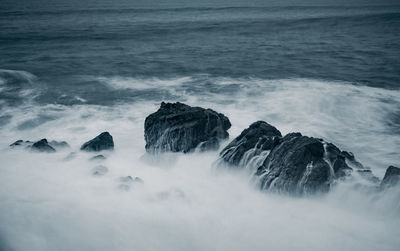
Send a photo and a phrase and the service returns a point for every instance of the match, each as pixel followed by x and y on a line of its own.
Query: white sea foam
pixel 49 203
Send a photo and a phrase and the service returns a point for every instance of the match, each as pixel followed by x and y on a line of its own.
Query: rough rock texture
pixel 21 143
pixel 258 138
pixel 42 146
pixel 301 165
pixel 391 178
pixel 102 142
pixel 177 127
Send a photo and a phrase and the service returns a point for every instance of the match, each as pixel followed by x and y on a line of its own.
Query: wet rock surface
pixel 42 146
pixel 293 164
pixel 104 141
pixel 297 165
pixel 177 127
pixel 391 178
pixel 257 138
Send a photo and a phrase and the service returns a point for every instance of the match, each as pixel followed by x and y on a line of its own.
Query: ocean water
pixel 70 70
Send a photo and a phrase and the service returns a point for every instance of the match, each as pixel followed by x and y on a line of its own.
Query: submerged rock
pixel 70 156
pixel 127 181
pixel 391 178
pixel 177 127
pixel 99 170
pixel 257 139
pixel 42 146
pixel 102 142
pixel 21 143
pixel 98 158
pixel 58 144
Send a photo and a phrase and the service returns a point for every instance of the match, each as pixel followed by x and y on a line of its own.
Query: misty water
pixel 71 71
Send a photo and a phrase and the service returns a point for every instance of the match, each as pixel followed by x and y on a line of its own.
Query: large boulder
pixel 102 142
pixel 391 178
pixel 177 127
pixel 301 165
pixel 254 142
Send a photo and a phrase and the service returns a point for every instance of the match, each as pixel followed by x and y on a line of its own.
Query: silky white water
pixel 49 203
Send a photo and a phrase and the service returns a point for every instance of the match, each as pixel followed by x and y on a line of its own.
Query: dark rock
pixel 21 143
pixel 296 166
pixel 42 146
pixel 99 158
pixel 58 144
pixel 177 127
pixel 257 138
pixel 99 170
pixel 351 161
pixel 391 178
pixel 301 165
pixel 102 142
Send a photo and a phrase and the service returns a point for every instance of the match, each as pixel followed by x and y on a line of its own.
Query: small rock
pixel 391 178
pixel 99 170
pixel 98 158
pixel 42 146
pixel 58 144
pixel 126 179
pixel 102 142
pixel 70 156
pixel 21 143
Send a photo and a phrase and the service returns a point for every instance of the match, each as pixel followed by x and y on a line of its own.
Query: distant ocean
pixel 70 71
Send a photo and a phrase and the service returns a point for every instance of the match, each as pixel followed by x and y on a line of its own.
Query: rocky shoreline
pixel 292 164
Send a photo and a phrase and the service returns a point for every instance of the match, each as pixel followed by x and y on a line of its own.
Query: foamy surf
pixel 49 201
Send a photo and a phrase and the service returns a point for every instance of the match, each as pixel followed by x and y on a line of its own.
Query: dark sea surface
pixel 69 46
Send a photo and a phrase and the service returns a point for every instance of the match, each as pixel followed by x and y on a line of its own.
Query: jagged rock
pixel 21 143
pixel 177 127
pixel 58 144
pixel 391 178
pixel 351 161
pixel 98 158
pixel 259 138
pixel 102 142
pixel 301 165
pixel 42 146
pixel 99 170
